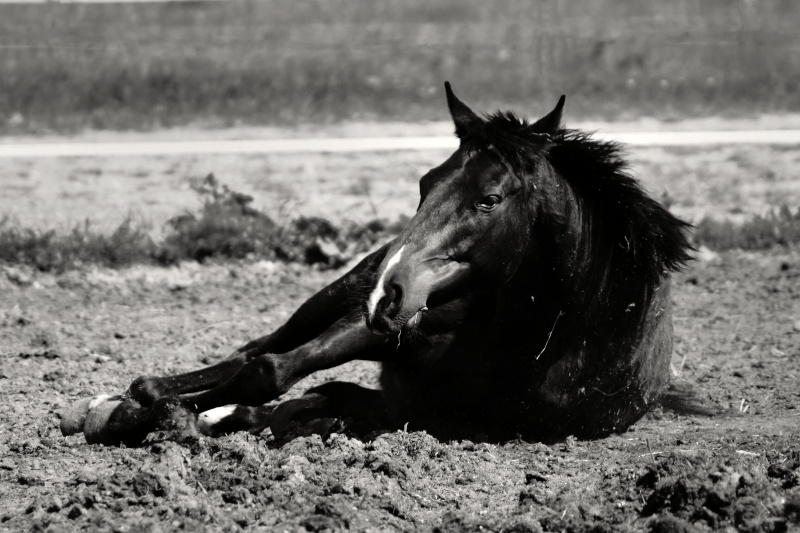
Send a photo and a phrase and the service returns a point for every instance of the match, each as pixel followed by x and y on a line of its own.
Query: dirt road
pixel 367 144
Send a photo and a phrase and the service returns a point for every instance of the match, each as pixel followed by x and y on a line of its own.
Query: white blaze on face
pixel 378 292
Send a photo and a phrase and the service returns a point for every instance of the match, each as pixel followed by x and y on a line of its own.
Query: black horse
pixel 529 296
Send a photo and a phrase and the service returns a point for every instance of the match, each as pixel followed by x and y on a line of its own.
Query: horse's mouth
pixel 415 319
pixel 397 325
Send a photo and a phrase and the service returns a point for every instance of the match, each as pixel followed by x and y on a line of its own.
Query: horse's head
pixel 472 225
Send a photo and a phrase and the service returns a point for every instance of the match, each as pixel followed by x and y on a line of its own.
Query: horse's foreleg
pixel 258 381
pixel 335 404
pixel 147 389
pixel 311 319
pixel 268 376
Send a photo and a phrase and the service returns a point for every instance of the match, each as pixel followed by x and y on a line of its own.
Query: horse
pixel 528 297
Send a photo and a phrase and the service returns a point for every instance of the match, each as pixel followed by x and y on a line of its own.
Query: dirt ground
pixel 93 331
pixel 66 337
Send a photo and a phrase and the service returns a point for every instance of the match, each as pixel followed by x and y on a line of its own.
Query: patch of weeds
pixel 228 227
pixel 52 250
pixel 225 227
pixel 758 233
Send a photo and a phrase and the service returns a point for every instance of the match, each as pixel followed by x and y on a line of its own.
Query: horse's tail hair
pixel 681 398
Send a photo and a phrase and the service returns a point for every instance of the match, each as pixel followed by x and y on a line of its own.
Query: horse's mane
pixel 625 238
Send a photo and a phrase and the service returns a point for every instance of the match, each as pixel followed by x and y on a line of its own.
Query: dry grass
pixel 74 66
pixel 227 227
pixel 781 227
pixel 53 250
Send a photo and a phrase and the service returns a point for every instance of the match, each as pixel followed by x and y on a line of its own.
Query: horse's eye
pixel 487 203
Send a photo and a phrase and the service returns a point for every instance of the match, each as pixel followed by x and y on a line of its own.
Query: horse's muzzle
pixel 384 318
pixel 400 303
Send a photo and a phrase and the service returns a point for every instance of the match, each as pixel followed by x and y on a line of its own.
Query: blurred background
pixel 143 66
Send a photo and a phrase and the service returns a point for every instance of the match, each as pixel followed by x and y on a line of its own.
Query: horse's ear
pixel 551 122
pixel 463 117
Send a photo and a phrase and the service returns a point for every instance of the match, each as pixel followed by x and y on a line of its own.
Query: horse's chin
pixel 400 324
pixel 402 327
pixel 415 319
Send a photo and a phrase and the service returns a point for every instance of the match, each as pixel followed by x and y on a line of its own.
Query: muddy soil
pixel 93 331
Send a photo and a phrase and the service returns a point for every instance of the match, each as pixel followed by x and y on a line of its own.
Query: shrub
pixel 51 250
pixel 758 233
pixel 227 226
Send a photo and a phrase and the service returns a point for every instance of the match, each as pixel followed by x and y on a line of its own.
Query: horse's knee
pixel 257 382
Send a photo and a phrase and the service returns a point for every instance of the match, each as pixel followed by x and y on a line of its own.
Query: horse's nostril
pixel 395 298
pixel 380 317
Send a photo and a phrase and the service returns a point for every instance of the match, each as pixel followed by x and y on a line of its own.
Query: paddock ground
pixel 89 331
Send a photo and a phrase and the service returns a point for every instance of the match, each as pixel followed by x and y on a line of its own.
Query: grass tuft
pixel 758 233
pixel 52 250
pixel 227 227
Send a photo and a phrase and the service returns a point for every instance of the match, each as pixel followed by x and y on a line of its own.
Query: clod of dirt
pixel 18 277
pixel 47 353
pixel 787 470
pixel 700 490
pixel 149 483
pixel 671 524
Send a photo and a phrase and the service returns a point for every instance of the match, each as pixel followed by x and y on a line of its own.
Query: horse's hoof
pixel 309 414
pixel 116 421
pixel 96 427
pixel 323 427
pixel 73 418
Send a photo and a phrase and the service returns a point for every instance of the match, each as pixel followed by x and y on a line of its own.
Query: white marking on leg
pixel 208 419
pixel 378 292
pixel 97 400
